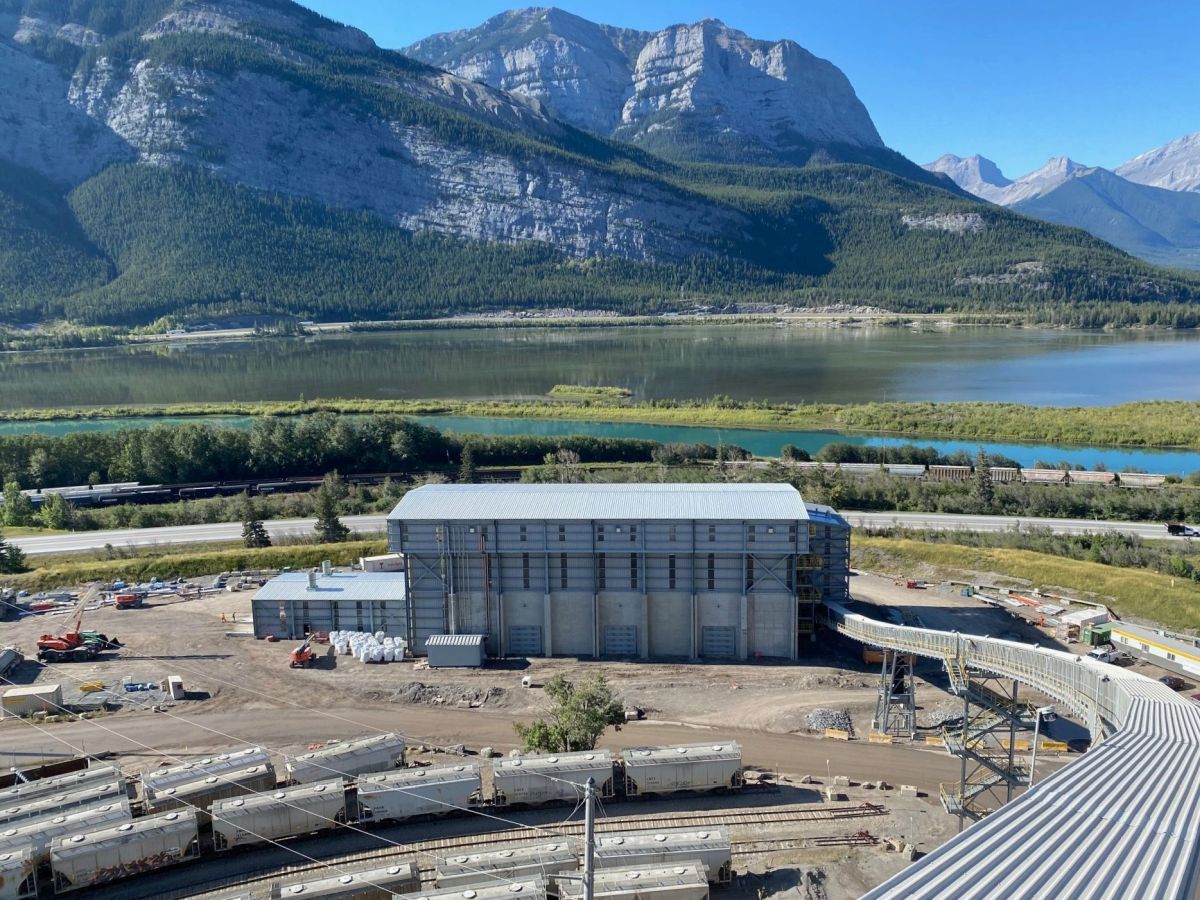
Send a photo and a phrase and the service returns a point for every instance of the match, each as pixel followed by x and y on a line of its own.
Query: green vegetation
pixel 156 564
pixel 12 560
pixel 254 533
pixel 589 392
pixel 329 527
pixel 578 716
pixel 1163 598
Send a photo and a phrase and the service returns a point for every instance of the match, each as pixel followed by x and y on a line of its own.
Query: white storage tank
pixel 348 758
pixel 204 792
pixel 691 767
pixel 708 846
pixel 18 874
pixel 552 778
pixel 378 883
pixel 533 888
pixel 455 651
pixel 38 834
pixel 88 796
pixel 685 881
pixel 505 863
pixel 25 701
pixel 234 761
pixel 111 854
pixel 27 790
pixel 417 792
pixel 259 818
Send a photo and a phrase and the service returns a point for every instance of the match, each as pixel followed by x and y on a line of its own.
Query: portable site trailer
pixel 1176 652
pixel 379 883
pixel 693 767
pixel 35 698
pixel 201 794
pixel 260 818
pixel 417 792
pixel 27 790
pixel 111 854
pixel 710 847
pixel 39 834
pixel 506 863
pixel 533 888
pixel 234 761
pixel 523 779
pixel 88 796
pixel 346 758
pixel 18 874
pixel 685 881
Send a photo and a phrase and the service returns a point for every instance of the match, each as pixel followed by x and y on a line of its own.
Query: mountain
pixel 703 91
pixel 203 158
pixel 975 174
pixel 1174 166
pixel 1155 224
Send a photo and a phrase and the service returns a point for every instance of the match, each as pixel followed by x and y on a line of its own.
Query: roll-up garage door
pixel 718 642
pixel 525 640
pixel 621 640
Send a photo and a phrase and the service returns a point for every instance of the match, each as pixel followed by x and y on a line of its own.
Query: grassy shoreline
pixel 1148 424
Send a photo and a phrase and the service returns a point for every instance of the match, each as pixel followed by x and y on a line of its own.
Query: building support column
pixel 547 626
pixel 695 654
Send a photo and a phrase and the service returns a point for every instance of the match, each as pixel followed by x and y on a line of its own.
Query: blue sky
pixel 1017 81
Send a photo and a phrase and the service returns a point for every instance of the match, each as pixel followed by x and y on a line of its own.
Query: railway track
pixel 419 852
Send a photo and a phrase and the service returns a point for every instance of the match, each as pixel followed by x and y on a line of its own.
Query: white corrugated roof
pixel 455 640
pixel 606 502
pixel 338 586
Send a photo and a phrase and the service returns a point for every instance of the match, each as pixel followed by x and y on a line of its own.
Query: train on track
pixel 98 826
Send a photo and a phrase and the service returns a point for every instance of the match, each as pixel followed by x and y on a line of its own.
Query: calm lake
pixel 681 361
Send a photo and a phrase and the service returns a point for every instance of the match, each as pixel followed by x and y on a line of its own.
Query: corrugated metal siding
pixel 455 640
pixel 574 502
pixel 338 586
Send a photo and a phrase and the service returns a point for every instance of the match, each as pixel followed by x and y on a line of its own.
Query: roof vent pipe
pixel 326 568
pixel 312 579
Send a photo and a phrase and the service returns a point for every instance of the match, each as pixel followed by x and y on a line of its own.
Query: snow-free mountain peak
pixel 975 174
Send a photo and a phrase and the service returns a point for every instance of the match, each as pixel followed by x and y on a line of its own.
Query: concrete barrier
pixel 837 734
pixel 933 741
pixel 876 737
pixel 1053 746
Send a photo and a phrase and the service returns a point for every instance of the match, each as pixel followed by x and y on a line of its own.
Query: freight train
pixel 86 829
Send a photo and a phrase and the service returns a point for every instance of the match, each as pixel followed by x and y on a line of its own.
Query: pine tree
pixel 329 526
pixel 56 513
pixel 983 489
pixel 254 533
pixel 12 559
pixel 466 469
pixel 18 509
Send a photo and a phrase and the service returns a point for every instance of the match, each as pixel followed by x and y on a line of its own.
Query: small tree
pixel 983 489
pixel 18 509
pixel 254 533
pixel 579 716
pixel 466 469
pixel 329 526
pixel 792 453
pixel 12 559
pixel 56 513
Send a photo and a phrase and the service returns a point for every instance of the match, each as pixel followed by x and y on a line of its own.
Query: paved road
pixel 232 531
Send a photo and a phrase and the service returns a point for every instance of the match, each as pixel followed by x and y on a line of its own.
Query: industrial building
pixel 633 571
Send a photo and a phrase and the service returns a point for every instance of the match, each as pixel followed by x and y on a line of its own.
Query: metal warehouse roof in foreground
pixel 606 502
pixel 337 586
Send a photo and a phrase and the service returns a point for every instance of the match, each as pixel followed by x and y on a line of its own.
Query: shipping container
pixel 260 818
pixel 204 792
pixel 379 883
pixel 39 834
pixel 112 854
pixel 234 761
pixel 417 792
pixel 685 881
pixel 27 790
pixel 506 863
pixel 533 780
pixel 525 889
pixel 88 796
pixel 25 701
pixel 709 847
pixel 18 874
pixel 693 767
pixel 347 758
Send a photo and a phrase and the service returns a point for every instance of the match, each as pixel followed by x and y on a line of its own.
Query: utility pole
pixel 589 840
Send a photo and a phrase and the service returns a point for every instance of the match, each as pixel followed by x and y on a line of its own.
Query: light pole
pixel 1037 726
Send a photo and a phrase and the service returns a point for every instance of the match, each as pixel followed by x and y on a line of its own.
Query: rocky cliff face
pixel 399 144
pixel 696 87
pixel 1174 166
pixel 982 177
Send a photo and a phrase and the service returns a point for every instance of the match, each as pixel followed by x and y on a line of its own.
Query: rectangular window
pixel 525 570
pixel 712 534
pixel 671 572
pixel 791 578
pixel 562 533
pixel 633 534
pixel 712 571
pixel 524 534
pixel 633 571
pixel 791 534
pixel 358 613
pixel 600 534
pixel 749 573
pixel 671 534
pixel 562 570
pixel 750 535
pixel 601 571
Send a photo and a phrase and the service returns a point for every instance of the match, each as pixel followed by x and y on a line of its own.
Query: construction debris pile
pixel 821 718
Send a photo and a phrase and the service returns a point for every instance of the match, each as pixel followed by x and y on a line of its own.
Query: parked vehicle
pixel 1174 682
pixel 1180 530
pixel 1107 654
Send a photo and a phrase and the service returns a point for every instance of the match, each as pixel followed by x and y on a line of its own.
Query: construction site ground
pixel 242 691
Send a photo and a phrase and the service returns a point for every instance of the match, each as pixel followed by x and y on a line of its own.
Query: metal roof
pixel 589 761
pixel 1164 639
pixel 642 880
pixel 657 756
pixel 606 502
pixel 528 888
pixel 387 781
pixel 455 640
pixel 354 747
pixel 337 586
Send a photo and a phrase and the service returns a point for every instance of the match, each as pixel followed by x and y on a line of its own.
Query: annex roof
pixel 336 586
pixel 605 502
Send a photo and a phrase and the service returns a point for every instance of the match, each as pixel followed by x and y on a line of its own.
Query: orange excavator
pixel 304 656
pixel 72 644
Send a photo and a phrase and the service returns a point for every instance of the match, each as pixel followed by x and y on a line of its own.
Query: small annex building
pixel 296 604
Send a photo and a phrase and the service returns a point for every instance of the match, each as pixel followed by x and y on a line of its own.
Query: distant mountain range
pixel 201 158
pixel 1149 206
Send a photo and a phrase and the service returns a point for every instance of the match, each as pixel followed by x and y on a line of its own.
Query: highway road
pixel 373 525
